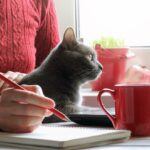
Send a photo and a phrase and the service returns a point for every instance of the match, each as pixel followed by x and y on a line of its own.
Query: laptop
pixel 92 118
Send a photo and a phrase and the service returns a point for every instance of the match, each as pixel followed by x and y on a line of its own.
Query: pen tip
pixel 66 119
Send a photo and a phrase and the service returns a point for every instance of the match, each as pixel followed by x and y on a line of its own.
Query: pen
pixel 17 86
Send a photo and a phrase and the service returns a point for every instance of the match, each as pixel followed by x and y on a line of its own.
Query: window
pixel 125 19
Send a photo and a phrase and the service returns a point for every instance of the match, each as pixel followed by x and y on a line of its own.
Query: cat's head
pixel 75 60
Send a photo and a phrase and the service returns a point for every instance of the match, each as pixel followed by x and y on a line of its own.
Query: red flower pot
pixel 114 62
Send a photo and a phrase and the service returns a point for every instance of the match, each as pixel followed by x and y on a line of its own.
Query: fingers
pixel 15 76
pixel 28 97
pixel 2 83
pixel 19 77
pixel 23 109
pixel 13 123
pixel 34 88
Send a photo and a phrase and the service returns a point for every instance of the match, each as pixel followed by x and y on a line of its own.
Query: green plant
pixel 109 42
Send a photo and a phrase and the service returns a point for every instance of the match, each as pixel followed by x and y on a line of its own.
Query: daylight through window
pixel 125 19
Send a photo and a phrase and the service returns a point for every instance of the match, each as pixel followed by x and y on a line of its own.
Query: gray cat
pixel 66 68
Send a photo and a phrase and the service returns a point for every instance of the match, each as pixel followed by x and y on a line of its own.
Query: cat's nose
pixel 100 66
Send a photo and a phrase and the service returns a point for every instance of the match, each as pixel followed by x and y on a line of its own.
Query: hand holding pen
pixel 18 117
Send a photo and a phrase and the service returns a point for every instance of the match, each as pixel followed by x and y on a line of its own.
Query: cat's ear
pixel 69 38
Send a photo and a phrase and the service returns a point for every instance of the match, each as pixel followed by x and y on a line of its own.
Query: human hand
pixel 14 76
pixel 23 110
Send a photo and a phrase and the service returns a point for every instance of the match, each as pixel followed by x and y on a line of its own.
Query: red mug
pixel 132 107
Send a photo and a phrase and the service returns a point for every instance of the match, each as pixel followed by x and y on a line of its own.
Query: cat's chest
pixel 62 91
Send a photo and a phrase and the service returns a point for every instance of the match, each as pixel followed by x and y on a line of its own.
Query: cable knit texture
pixel 28 31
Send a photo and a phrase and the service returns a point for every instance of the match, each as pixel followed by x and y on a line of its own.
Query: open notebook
pixel 64 136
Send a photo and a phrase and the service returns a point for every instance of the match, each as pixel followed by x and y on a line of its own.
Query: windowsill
pixel 90 98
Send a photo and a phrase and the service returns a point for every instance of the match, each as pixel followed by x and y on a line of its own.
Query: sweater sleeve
pixel 47 35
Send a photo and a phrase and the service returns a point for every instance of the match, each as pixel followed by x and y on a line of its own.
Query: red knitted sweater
pixel 28 31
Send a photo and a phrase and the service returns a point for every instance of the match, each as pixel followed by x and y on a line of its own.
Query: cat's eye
pixel 90 57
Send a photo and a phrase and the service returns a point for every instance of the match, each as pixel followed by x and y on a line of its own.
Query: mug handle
pixel 112 92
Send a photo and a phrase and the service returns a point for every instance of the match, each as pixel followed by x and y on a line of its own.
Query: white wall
pixel 66 14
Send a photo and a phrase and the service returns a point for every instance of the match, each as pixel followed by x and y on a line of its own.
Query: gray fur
pixel 62 73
